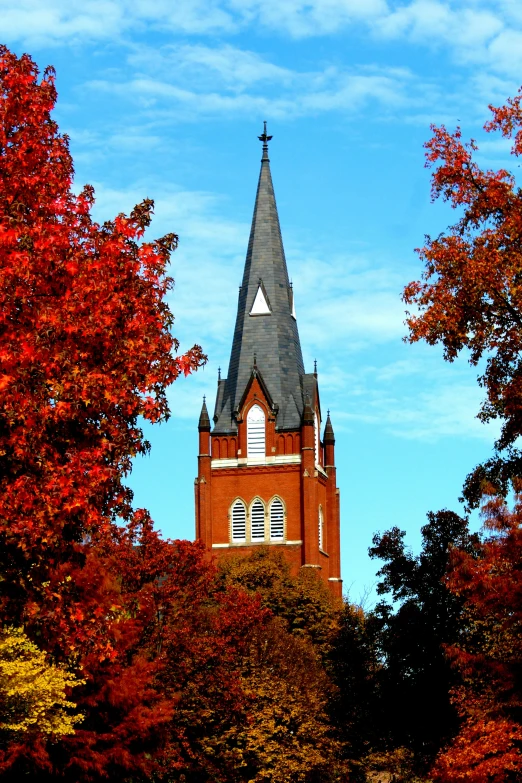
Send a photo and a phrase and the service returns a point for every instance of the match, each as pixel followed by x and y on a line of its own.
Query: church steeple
pixel 265 477
pixel 265 322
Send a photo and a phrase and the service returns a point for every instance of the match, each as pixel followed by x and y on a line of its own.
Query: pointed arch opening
pixel 321 529
pixel 257 520
pixel 277 520
pixel 256 432
pixel 317 437
pixel 238 525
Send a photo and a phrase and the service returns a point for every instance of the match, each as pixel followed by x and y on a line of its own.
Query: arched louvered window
pixel 256 432
pixel 317 437
pixel 277 520
pixel 257 521
pixel 238 522
pixel 321 529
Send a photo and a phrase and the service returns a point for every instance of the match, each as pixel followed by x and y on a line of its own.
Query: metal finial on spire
pixel 219 373
pixel 255 359
pixel 265 139
pixel 204 398
pixel 315 366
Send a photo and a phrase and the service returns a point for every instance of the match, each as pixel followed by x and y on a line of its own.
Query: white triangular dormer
pixel 260 306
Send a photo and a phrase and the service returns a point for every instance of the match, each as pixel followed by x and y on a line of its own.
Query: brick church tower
pixel 265 475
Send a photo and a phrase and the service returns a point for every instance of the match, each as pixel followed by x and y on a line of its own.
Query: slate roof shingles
pixel 274 338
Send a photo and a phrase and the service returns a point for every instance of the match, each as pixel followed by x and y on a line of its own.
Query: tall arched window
pixel 256 432
pixel 257 521
pixel 238 522
pixel 277 520
pixel 321 529
pixel 317 437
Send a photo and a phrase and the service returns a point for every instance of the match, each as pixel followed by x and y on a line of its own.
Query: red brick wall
pixel 301 487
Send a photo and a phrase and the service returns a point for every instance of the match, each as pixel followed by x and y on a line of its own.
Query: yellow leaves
pixel 33 691
pixel 285 738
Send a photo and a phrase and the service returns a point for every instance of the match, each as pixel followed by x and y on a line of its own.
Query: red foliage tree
pixel 85 349
pixel 489 658
pixel 470 295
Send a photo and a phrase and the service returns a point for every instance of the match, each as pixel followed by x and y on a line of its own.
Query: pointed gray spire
pixel 204 421
pixel 268 329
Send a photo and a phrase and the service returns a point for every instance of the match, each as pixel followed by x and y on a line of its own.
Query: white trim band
pixel 234 462
pixel 258 543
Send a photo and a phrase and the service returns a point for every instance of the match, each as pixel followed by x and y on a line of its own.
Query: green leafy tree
pixel 354 666
pixel 424 617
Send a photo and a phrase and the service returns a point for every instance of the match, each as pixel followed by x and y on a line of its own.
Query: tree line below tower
pixel 124 656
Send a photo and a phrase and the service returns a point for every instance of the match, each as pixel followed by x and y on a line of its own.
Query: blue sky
pixel 165 100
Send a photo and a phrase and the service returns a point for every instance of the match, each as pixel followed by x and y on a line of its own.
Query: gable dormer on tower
pixel 264 476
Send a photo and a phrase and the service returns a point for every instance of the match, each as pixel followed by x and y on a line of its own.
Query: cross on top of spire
pixel 265 139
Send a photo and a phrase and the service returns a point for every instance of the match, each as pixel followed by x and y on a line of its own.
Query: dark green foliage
pixel 416 677
pixel 497 472
pixel 355 669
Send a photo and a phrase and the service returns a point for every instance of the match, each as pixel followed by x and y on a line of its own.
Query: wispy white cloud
pixel 37 24
pixel 190 81
pixel 229 65
pixel 75 21
pixel 465 27
pixel 303 18
pixel 419 399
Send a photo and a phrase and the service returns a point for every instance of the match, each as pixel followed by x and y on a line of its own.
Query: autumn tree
pixel 414 628
pixel 488 655
pixel 33 695
pixel 287 735
pixel 470 294
pixel 293 730
pixel 302 600
pixel 85 350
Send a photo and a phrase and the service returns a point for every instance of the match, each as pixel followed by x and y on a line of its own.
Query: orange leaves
pixel 489 654
pixel 470 296
pixel 486 750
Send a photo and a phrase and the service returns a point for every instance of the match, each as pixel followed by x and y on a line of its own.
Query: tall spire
pixel 265 322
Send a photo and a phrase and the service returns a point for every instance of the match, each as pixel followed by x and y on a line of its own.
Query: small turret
pixel 204 421
pixel 204 431
pixel 329 436
pixel 329 442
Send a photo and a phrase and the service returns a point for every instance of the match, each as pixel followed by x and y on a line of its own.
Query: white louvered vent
pixel 256 432
pixel 277 520
pixel 238 521
pixel 257 521
pixel 321 529
pixel 316 437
